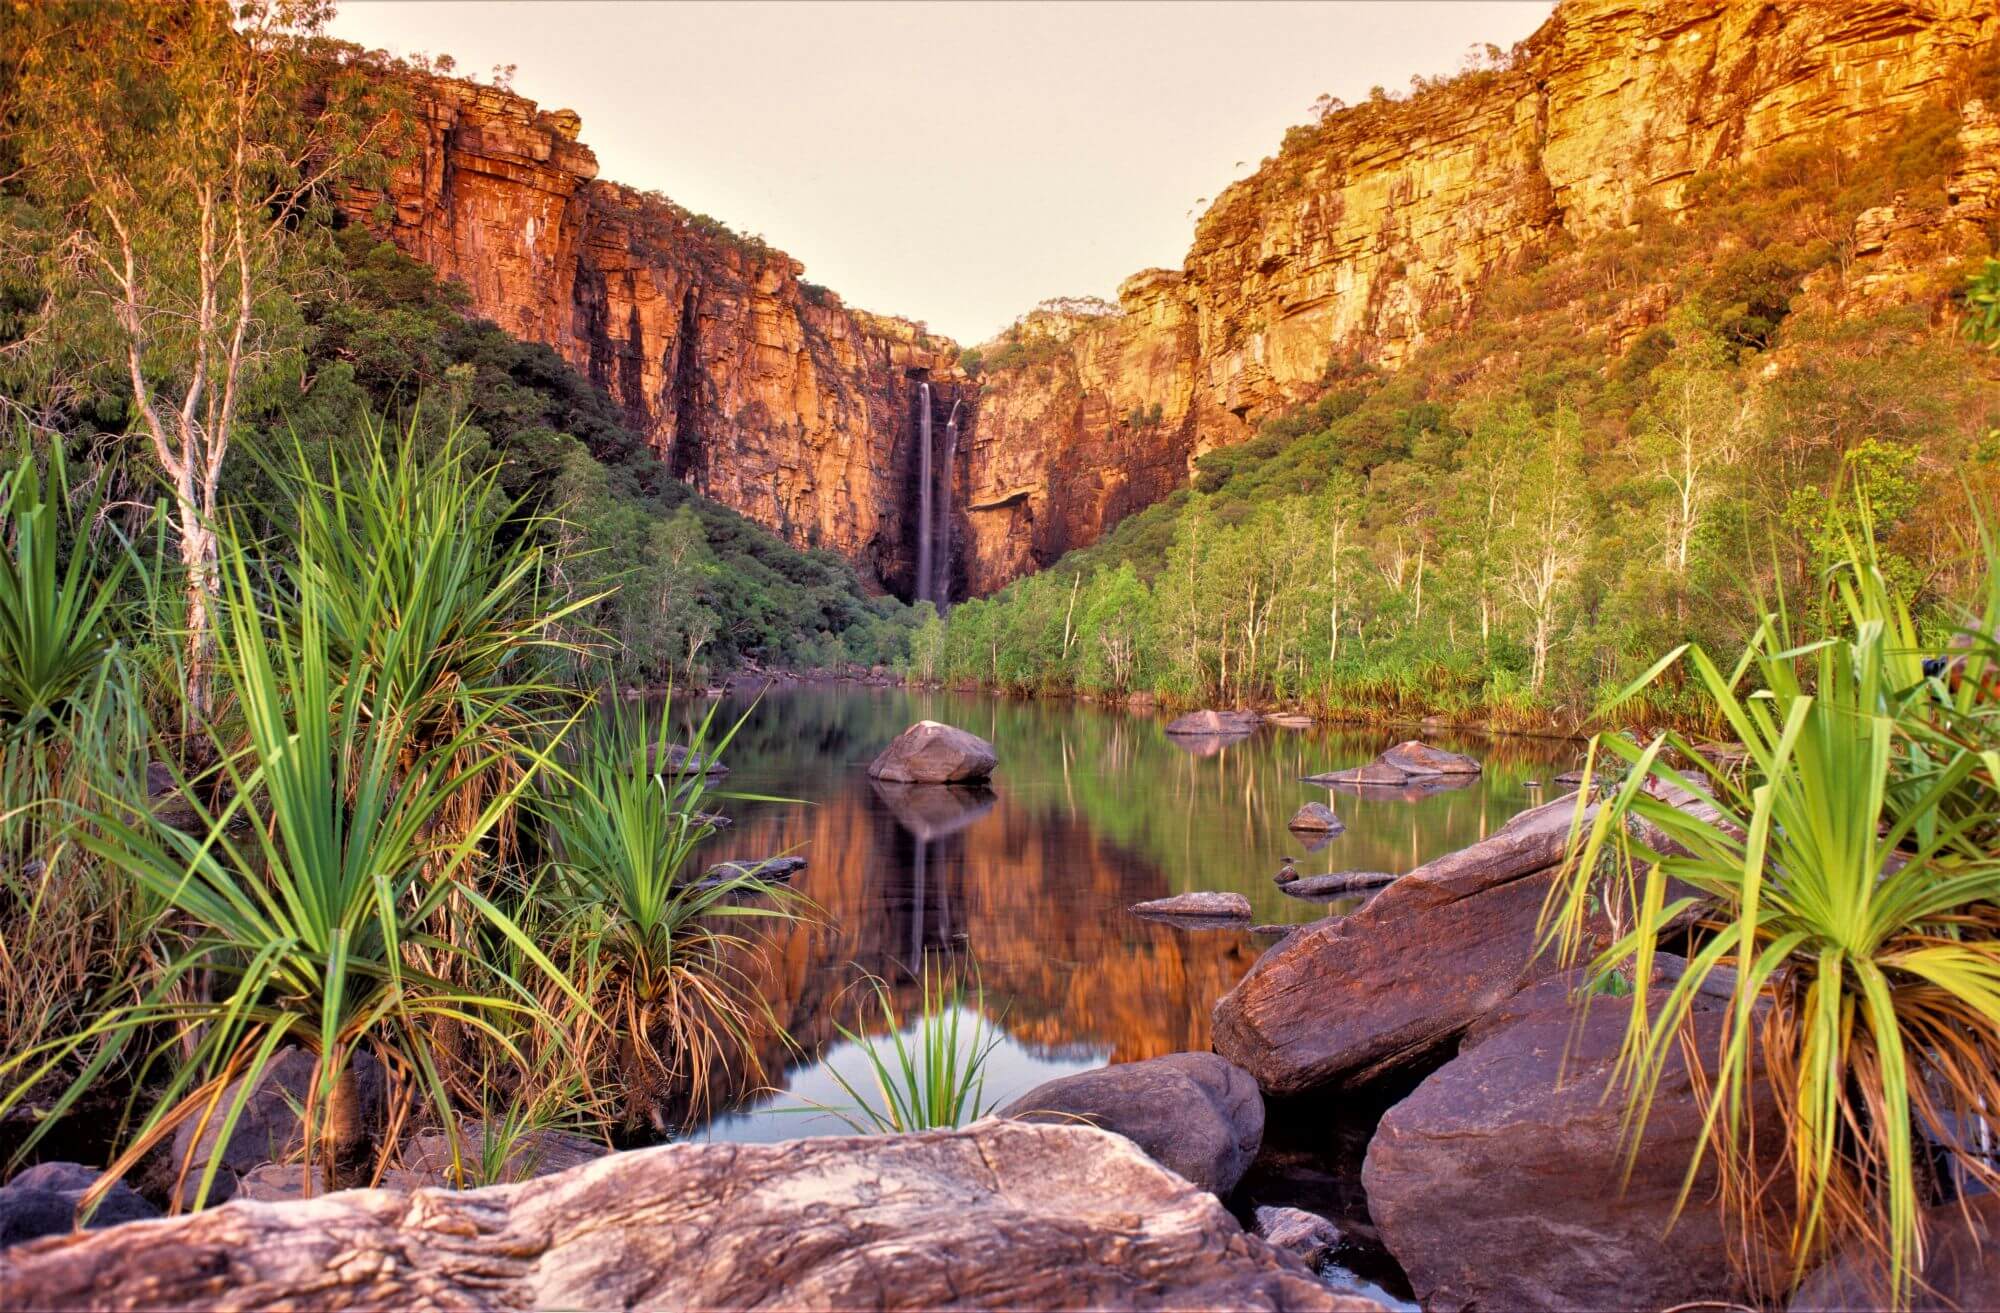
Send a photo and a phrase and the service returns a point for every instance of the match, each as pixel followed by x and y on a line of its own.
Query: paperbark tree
pixel 174 156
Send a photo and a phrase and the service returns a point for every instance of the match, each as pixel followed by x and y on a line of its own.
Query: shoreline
pixel 1137 703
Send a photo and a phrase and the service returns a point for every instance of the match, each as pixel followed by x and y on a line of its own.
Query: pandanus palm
pixel 626 821
pixel 307 900
pixel 1848 876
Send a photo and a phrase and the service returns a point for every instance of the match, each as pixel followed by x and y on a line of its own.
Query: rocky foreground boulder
pixel 932 753
pixel 1192 1113
pixel 1349 1000
pixel 1496 1184
pixel 1001 1215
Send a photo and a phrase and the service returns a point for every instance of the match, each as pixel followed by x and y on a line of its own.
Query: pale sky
pixel 950 162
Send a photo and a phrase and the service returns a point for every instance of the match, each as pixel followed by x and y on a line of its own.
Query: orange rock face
pixel 1365 237
pixel 763 391
pixel 1372 233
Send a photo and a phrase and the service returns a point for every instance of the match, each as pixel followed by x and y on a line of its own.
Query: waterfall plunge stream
pixel 933 582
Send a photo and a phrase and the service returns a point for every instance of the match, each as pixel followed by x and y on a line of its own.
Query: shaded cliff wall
pixel 763 391
pixel 1371 233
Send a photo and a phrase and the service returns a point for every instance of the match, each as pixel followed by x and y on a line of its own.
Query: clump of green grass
pixel 668 978
pixel 929 1070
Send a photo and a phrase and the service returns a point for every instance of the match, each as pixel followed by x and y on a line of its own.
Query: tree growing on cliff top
pixel 171 157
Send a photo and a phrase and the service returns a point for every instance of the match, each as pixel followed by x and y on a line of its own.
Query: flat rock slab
pixel 1207 905
pixel 1001 1215
pixel 1375 772
pixel 1214 722
pixel 1337 884
pixel 1496 1184
pixel 1416 758
pixel 769 868
pixel 1193 1113
pixel 1354 998
pixel 930 752
pixel 1315 818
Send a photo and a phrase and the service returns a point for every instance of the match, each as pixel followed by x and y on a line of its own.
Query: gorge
pixel 1366 237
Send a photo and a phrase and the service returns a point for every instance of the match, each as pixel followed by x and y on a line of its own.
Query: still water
pixel 1024 887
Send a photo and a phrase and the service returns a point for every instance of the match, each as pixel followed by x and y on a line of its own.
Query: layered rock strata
pixel 1373 233
pixel 760 389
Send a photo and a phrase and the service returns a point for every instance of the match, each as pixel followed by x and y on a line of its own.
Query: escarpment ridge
pixel 1367 236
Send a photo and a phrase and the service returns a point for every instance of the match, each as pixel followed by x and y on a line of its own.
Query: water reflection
pixel 1026 884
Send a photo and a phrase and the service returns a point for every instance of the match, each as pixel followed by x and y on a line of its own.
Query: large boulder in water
pixel 1346 1001
pixel 932 753
pixel 1497 1184
pixel 1191 1112
pixel 999 1215
pixel 1198 723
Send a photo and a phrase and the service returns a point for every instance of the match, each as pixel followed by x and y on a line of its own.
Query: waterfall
pixel 941 592
pixel 923 588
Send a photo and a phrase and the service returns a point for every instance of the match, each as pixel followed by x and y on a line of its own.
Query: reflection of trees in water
pixel 1025 887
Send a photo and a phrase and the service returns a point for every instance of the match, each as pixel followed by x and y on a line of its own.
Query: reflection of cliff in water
pixel 1024 886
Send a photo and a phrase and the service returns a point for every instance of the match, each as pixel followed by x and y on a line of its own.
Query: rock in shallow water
pixel 1000 1215
pixel 1191 1112
pixel 1213 722
pixel 1308 1237
pixel 1416 758
pixel 1336 884
pixel 932 753
pixel 1316 818
pixel 1205 905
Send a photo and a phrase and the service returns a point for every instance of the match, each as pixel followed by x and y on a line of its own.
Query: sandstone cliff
pixel 1372 233
pixel 762 390
pixel 1368 236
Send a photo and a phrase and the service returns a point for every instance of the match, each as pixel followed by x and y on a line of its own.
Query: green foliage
pixel 1847 877
pixel 682 586
pixel 929 1070
pixel 669 982
pixel 313 893
pixel 54 630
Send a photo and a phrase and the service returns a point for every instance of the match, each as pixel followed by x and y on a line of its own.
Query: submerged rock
pixel 1375 772
pixel 932 753
pixel 999 1215
pixel 1213 722
pixel 43 1200
pixel 1497 1184
pixel 1315 818
pixel 1208 904
pixel 1193 1113
pixel 767 868
pixel 1336 884
pixel 1350 999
